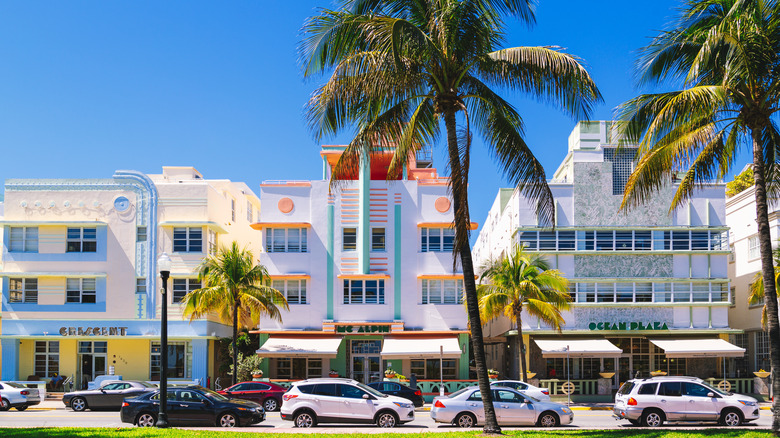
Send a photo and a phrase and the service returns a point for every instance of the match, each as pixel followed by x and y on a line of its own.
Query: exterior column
pixel 364 217
pixel 10 359
pixel 330 262
pixel 397 262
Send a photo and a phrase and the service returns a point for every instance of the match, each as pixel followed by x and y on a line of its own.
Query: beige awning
pixel 421 348
pixel 674 348
pixel 578 348
pixel 300 347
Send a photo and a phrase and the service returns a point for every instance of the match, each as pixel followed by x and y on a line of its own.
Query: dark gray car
pixel 108 396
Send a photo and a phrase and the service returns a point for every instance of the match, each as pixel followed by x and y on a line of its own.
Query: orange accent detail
pixel 285 205
pixel 288 184
pixel 364 276
pixel 442 204
pixel 474 225
pixel 261 225
pixel 291 277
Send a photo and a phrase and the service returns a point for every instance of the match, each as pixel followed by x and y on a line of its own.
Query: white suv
pixel 334 400
pixel 650 402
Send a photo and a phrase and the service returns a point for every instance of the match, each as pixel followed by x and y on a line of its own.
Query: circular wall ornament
pixel 121 203
pixel 442 204
pixel 286 205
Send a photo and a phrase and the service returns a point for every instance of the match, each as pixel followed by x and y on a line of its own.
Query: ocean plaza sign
pixel 628 326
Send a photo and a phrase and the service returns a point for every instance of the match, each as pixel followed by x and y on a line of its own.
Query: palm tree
pixel 724 54
pixel 237 290
pixel 522 281
pixel 756 295
pixel 402 67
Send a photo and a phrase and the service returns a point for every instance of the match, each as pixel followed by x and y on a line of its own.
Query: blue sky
pixel 89 87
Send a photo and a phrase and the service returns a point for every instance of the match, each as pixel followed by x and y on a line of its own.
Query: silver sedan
pixel 542 394
pixel 464 409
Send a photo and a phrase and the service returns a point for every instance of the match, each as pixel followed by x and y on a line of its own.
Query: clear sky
pixel 89 87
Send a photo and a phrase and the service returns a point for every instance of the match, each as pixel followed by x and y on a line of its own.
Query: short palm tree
pixel 236 289
pixel 403 68
pixel 523 281
pixel 756 295
pixel 724 56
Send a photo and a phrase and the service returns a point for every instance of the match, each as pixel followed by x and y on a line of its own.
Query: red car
pixel 266 393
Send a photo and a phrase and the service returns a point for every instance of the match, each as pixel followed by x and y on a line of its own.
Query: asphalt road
pixel 583 419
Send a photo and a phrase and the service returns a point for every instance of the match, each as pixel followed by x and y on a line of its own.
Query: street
pixel 583 419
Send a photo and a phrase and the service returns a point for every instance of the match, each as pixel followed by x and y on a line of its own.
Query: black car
pixel 191 406
pixel 108 396
pixel 399 390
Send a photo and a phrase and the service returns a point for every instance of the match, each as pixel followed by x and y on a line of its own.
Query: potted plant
pixel 257 374
pixel 389 373
pixel 401 377
pixel 762 374
pixel 657 373
pixel 333 373
pixel 493 374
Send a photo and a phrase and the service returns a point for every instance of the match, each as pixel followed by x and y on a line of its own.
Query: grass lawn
pixel 143 433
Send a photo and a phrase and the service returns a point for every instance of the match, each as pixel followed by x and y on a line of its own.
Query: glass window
pixel 80 290
pixel 647 389
pixel 662 292
pixel 212 242
pixel 528 239
pixel 605 292
pixel 183 286
pixel 293 290
pixel 350 391
pixel 681 240
pixel 82 240
pixel 644 292
pixel 23 290
pixel 23 239
pixel 327 389
pixel 700 240
pixel 642 241
pixel 349 239
pixel 624 240
pixel 585 240
pixel 364 291
pixel 249 211
pixel 566 240
pixel 377 239
pixel 286 240
pixel 681 292
pixel 47 358
pixel 442 291
pixel 753 248
pixel 547 241
pixel 188 239
pixel 437 239
pixel 586 292
pixel 140 234
pixel 661 240
pixel 625 292
pixel 670 389
pixel 179 360
pixel 701 292
pixel 604 241
pixel 140 285
pixel 694 390
pixel 429 368
pixel 233 210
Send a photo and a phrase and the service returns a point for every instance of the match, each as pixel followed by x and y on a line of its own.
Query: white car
pixel 542 394
pixel 334 400
pixel 464 408
pixel 15 395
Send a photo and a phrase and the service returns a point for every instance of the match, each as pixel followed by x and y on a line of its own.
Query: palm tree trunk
pixel 235 347
pixel 460 197
pixel 523 365
pixel 767 273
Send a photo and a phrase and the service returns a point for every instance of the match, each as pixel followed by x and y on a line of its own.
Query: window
pixel 604 241
pixel 622 165
pixel 293 290
pixel 566 240
pixel 188 239
pixel 80 290
pixel 183 286
pixel 753 249
pixel 88 347
pixel 212 242
pixel 732 254
pixel 23 239
pixel 605 292
pixel 429 368
pixel 233 210
pixel 647 389
pixel 179 360
pixel 585 240
pixel 364 291
pixel 694 390
pixel 442 291
pixel 700 240
pixel 437 239
pixel 733 297
pixel 349 239
pixel 140 285
pixel 681 241
pixel 286 240
pixel 349 391
pixel 249 212
pixel 140 234
pixel 625 292
pixel 299 369
pixel 82 240
pixel 642 241
pixel 47 358
pixel 662 240
pixel 762 350
pixel 624 240
pixel 23 290
pixel 377 239
pixel 586 293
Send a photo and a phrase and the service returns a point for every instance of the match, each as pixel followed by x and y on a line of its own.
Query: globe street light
pixel 164 265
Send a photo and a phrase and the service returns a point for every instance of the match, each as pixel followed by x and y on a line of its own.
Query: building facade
pixel 646 283
pixel 367 269
pixel 80 286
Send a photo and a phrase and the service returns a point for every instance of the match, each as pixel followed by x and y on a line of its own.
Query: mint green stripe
pixel 364 229
pixel 331 264
pixel 397 263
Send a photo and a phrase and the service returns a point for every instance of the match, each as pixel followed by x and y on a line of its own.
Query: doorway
pixel 365 362
pixel 93 358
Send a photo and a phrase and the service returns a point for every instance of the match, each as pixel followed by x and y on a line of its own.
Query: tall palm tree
pixel 237 290
pixel 522 281
pixel 723 55
pixel 399 68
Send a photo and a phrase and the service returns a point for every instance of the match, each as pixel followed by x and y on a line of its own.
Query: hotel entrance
pixel 93 357
pixel 365 360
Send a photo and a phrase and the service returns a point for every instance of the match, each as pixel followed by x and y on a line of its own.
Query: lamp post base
pixel 162 420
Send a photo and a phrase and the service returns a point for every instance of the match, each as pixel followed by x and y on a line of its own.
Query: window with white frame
pixel 759 301
pixel 179 360
pixel 442 291
pixel 249 212
pixel 364 291
pixel 183 286
pixel 762 351
pixel 82 239
pixel 732 296
pixel 233 210
pixel 188 239
pixel 429 368
pixel 286 240
pixel 645 292
pixel 293 290
pixel 377 239
pixel 298 368
pixel 23 239
pixel 47 358
pixel 80 290
pixel 23 290
pixel 349 239
pixel 212 242
pixel 754 250
pixel 437 239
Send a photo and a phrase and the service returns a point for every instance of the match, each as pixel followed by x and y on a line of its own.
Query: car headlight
pixel 566 410
pixel 403 405
pixel 747 402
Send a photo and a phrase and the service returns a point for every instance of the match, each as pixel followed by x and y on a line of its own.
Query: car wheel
pixel 548 419
pixel 270 404
pixel 730 418
pixel 652 418
pixel 4 404
pixel 305 419
pixel 386 419
pixel 21 408
pixel 78 404
pixel 227 420
pixel 465 420
pixel 146 420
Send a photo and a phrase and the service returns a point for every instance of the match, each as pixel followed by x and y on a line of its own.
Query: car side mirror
pixel 528 401
pixel 710 394
pixel 366 397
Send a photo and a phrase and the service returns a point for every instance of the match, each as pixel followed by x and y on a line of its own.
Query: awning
pixel 578 348
pixel 420 348
pixel 674 348
pixel 300 347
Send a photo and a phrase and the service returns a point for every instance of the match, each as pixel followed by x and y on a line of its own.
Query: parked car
pixel 266 393
pixel 542 394
pixel 464 408
pixel 651 402
pixel 334 400
pixel 16 395
pixel 190 406
pixel 108 396
pixel 399 390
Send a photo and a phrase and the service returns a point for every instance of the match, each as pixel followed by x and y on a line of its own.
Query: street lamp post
pixel 164 265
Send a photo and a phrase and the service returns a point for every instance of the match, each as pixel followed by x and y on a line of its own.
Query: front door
pixel 92 361
pixel 365 361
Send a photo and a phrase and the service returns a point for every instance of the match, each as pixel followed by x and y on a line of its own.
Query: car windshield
pixel 457 393
pixel 371 390
pixel 715 390
pixel 213 394
pixel 146 384
pixel 14 385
